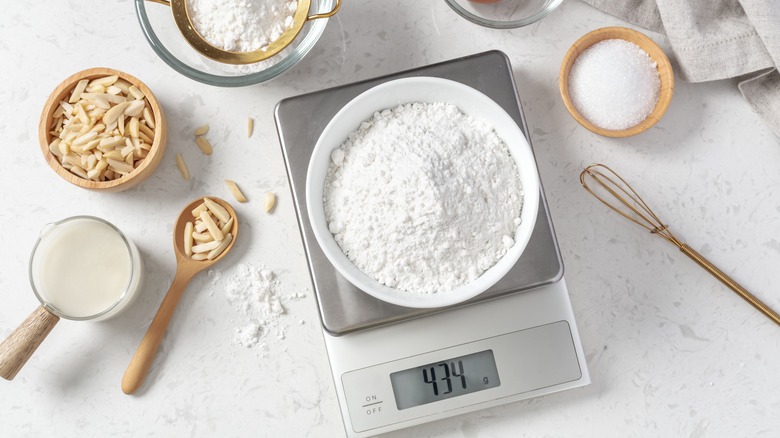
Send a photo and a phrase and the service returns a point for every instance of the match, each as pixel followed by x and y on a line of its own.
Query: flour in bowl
pixel 241 25
pixel 423 198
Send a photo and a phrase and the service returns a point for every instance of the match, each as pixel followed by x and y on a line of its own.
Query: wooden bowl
pixel 664 71
pixel 146 166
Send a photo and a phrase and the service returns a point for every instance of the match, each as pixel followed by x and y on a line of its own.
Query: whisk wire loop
pixel 640 213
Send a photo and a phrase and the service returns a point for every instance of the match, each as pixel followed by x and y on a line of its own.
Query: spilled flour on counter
pixel 256 294
pixel 423 197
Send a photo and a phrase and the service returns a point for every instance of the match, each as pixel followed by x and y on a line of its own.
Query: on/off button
pixel 372 405
pixel 368 398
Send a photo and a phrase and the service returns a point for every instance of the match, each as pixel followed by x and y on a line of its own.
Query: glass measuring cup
pixel 81 268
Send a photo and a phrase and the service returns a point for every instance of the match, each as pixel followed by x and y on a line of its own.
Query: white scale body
pixel 532 335
pixel 515 341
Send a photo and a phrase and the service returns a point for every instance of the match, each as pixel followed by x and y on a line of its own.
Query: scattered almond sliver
pixel 250 127
pixel 202 130
pixel 233 187
pixel 215 223
pixel 204 145
pixel 185 172
pixel 270 202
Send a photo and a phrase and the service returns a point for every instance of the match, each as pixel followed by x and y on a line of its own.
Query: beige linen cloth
pixel 717 39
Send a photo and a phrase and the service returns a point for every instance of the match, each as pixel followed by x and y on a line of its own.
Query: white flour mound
pixel 241 25
pixel 423 198
pixel 255 292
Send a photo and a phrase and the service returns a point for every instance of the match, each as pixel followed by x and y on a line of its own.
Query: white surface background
pixel 671 351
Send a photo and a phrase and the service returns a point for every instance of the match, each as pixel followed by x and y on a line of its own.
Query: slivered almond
pixel 127 150
pixel 148 117
pixel 75 96
pixel 81 114
pixel 202 130
pixel 233 187
pixel 221 248
pixel 112 142
pixel 91 162
pixel 270 202
pixel 198 210
pixel 95 88
pixel 135 92
pixel 85 138
pixel 116 99
pixel 79 171
pixel 185 173
pixel 54 148
pixel 102 102
pixel 119 166
pixel 204 145
pixel 115 154
pixel 133 127
pixel 123 85
pixel 200 226
pixel 217 210
pixel 105 81
pixel 206 247
pixel 146 130
pixel 64 148
pixel 250 126
pixel 202 237
pixel 93 174
pixel 228 225
pixel 200 257
pixel 211 225
pixel 102 164
pixel 115 112
pixel 188 238
pixel 144 137
pixel 134 108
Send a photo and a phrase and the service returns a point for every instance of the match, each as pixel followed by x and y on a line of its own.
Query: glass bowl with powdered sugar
pixel 166 40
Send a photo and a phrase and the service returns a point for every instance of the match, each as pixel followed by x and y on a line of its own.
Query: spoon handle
pixel 144 356
pixel 17 348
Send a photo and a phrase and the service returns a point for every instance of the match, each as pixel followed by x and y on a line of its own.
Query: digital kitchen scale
pixel 395 367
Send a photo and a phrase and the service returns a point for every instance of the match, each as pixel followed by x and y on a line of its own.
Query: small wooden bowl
pixel 147 165
pixel 664 71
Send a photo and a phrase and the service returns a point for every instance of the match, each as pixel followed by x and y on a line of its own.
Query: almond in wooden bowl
pixel 103 129
pixel 613 83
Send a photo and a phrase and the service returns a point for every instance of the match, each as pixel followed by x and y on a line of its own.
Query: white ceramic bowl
pixel 428 90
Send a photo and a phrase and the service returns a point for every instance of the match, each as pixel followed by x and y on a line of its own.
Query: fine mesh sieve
pixel 184 23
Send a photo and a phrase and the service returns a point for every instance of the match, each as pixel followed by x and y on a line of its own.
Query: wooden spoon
pixel 186 268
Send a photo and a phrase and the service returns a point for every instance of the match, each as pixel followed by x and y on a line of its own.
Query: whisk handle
pixel 728 281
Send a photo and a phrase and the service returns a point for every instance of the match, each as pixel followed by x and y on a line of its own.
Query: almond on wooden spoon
pixel 221 228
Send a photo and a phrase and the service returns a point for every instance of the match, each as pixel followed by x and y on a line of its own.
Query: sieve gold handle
pixel 162 2
pixel 335 9
pixel 728 281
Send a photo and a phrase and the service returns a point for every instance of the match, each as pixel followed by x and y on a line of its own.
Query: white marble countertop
pixel 671 351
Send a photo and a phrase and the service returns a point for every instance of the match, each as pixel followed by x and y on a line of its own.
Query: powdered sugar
pixel 256 294
pixel 423 198
pixel 241 25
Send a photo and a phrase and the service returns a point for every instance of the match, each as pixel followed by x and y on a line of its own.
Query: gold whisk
pixel 641 214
